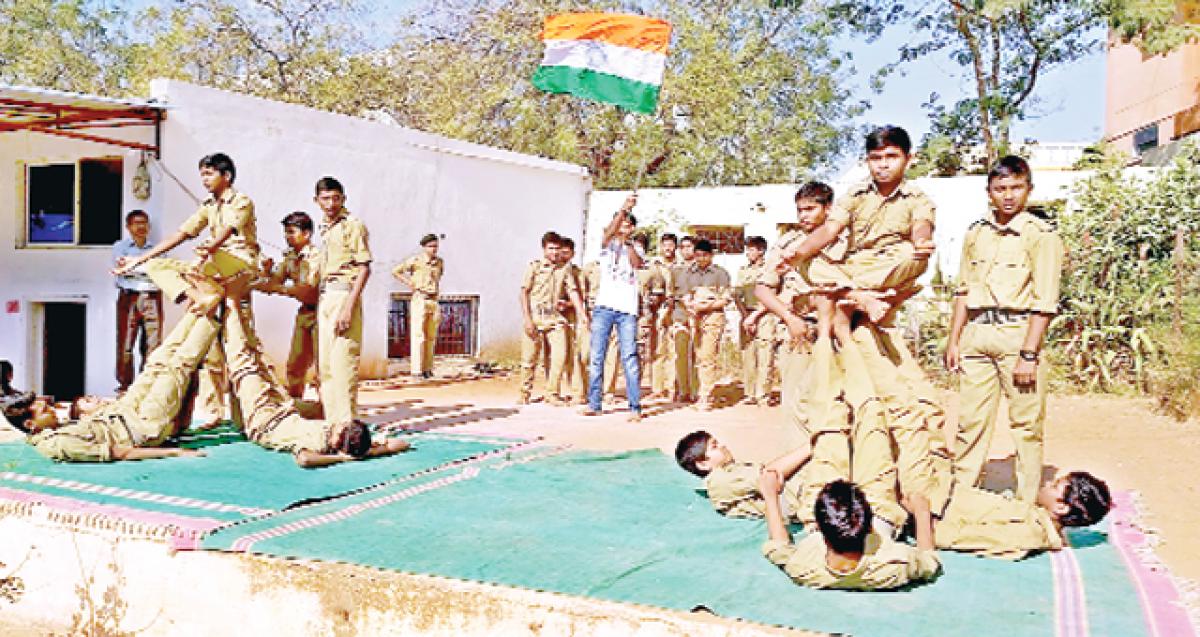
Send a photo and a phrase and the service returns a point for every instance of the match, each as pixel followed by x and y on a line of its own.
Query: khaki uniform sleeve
pixel 840 211
pixel 897 564
pixel 1046 260
pixel 195 223
pixel 570 281
pixel 79 442
pixel 527 280
pixel 923 209
pixel 357 244
pixel 965 271
pixel 778 552
pixel 405 268
pixel 242 213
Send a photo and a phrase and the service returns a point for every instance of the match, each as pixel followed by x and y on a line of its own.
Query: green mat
pixel 633 527
pixel 236 480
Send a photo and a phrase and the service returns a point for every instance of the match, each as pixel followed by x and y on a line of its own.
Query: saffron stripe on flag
pixel 634 31
pixel 602 87
pixel 635 64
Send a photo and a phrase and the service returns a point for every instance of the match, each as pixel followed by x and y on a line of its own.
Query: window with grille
pixel 725 239
pixel 457 331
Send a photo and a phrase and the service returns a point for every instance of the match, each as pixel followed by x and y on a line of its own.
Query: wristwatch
pixel 1028 355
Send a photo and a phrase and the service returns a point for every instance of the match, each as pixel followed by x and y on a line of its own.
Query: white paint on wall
pixel 491 205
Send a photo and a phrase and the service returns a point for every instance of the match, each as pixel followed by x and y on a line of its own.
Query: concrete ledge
pixel 87 577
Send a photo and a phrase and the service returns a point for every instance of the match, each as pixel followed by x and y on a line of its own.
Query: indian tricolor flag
pixel 618 59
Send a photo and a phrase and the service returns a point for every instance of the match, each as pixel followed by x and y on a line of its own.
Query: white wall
pixel 960 202
pixel 491 205
pixel 44 274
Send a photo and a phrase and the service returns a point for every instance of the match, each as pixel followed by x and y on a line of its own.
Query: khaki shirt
pixel 992 525
pixel 547 283
pixel 231 210
pixel 1012 267
pixel 667 270
pixel 733 491
pixel 885 564
pixel 589 282
pixel 425 273
pixel 89 440
pixel 875 221
pixel 747 278
pixel 299 267
pixel 833 253
pixel 343 248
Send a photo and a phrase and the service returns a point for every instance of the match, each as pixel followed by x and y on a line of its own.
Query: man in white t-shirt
pixel 617 306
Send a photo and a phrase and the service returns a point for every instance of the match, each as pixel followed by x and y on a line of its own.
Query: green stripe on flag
pixel 601 87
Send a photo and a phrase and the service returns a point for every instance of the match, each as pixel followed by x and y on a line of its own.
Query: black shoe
pixel 426 375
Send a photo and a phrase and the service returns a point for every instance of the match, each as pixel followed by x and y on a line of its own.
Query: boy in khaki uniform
pixel 422 273
pixel 296 277
pixel 1007 294
pixel 757 328
pixel 890 225
pixel 272 420
pixel 344 265
pixel 133 426
pixel 653 284
pixel 662 376
pixel 546 280
pixel 681 370
pixel 732 486
pixel 232 249
pixel 706 292
pixel 579 338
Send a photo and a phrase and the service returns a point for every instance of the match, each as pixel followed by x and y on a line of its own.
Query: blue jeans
pixel 603 321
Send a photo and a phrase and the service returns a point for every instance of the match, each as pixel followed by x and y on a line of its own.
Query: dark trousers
pixel 137 313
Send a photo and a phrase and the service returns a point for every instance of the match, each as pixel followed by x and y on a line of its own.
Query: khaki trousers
pixel 662 374
pixel 708 349
pixel 553 337
pixel 271 418
pixel 989 353
pixel 891 267
pixel 338 355
pixel 758 357
pixel 682 370
pixel 794 365
pixel 303 353
pixel 424 318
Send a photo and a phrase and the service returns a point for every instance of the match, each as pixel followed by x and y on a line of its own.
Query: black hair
pixel 428 239
pixel 704 245
pixel 632 219
pixel 689 238
pixel 129 216
pixel 757 242
pixel 221 163
pixel 1010 166
pixel 6 370
pixel 551 237
pixel 328 183
pixel 355 439
pixel 889 135
pixel 642 239
pixel 298 220
pixel 1087 499
pixel 669 236
pixel 843 516
pixel 19 410
pixel 691 449
pixel 567 242
pixel 817 191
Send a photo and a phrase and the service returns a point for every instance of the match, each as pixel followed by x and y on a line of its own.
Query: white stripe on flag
pixel 602 57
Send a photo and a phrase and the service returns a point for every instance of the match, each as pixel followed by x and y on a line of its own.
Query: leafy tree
pixel 1008 46
pixel 753 93
pixel 70 45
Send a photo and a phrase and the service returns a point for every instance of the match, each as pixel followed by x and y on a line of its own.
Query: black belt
pixel 137 293
pixel 308 308
pixel 997 316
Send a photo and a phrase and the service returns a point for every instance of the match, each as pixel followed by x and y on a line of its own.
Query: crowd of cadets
pixel 817 307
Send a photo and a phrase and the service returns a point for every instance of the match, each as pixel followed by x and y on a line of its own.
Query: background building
pixel 67 168
pixel 1151 101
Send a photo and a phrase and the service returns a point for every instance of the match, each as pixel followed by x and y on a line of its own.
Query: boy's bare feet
pixel 634 416
pixel 874 304
pixel 588 411
pixel 523 399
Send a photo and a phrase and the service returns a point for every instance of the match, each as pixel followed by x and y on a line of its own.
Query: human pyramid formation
pixel 219 325
pixel 875 459
pixel 876 462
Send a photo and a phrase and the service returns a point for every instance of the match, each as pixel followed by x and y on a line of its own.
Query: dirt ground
pixel 1118 439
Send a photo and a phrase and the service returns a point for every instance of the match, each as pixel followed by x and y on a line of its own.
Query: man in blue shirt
pixel 139 301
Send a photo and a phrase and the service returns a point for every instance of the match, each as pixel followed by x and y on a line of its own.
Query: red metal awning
pixel 77 116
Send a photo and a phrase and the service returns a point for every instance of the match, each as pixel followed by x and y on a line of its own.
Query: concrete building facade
pixel 490 205
pixel 1151 101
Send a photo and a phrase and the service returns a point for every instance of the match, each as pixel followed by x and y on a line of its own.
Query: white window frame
pixel 24 193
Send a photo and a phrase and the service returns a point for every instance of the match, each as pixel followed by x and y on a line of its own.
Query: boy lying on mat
pixel 732 486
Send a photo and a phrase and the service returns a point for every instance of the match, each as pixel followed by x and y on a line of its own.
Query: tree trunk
pixel 962 23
